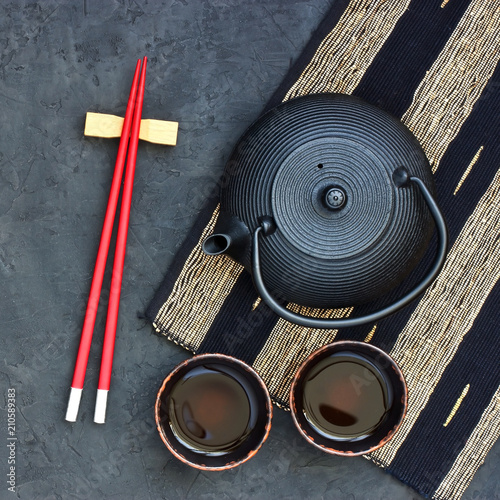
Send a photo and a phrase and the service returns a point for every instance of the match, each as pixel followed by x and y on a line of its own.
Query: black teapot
pixel 328 201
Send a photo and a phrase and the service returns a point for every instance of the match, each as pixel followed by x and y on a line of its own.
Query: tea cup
pixel 348 398
pixel 213 412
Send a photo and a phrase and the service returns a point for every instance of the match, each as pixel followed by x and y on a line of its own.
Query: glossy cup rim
pixel 344 345
pixel 230 360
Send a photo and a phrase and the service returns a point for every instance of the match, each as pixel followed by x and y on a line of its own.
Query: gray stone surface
pixel 212 67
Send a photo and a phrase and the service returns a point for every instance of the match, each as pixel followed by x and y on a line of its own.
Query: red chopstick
pixel 121 242
pixel 102 254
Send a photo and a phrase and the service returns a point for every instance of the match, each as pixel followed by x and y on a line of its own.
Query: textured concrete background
pixel 212 66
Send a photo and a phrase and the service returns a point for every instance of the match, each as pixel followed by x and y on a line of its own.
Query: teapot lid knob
pixel 335 198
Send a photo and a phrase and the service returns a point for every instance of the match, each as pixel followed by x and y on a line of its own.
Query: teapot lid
pixel 321 166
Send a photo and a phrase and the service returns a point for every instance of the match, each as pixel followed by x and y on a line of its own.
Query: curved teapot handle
pixel 401 178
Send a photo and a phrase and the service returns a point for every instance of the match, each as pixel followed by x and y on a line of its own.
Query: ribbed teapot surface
pixel 321 166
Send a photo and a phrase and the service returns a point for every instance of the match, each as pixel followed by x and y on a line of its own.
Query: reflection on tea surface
pixel 345 397
pixel 210 409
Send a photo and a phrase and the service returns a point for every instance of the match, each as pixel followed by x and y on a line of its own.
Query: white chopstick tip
pixel 75 396
pixel 100 406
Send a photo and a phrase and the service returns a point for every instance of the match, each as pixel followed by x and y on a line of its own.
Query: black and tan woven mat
pixel 432 63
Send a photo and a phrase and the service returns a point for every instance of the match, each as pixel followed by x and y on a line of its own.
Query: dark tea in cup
pixel 210 409
pixel 213 412
pixel 348 398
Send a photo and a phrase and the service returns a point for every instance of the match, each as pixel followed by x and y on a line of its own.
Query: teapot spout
pixel 230 237
pixel 216 244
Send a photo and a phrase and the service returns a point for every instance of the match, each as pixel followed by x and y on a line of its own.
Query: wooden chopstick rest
pixel 156 131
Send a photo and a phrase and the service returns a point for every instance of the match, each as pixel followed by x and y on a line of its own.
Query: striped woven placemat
pixel 433 65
